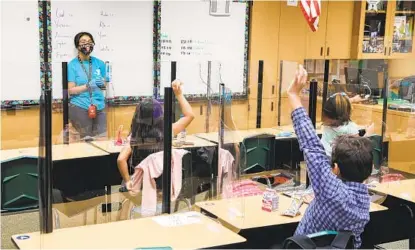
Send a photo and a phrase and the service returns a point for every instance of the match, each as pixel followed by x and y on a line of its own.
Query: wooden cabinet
pixel 334 35
pixel 268 113
pixel 339 29
pixel 292 34
pixel 384 31
pixel 264 46
pixel 316 41
pixel 401 30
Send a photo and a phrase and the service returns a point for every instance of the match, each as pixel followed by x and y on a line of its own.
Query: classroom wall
pixel 399 68
pixel 277 32
pixel 20 128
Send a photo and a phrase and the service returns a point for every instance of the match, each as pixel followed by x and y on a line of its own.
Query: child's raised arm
pixel 185 107
pixel 323 181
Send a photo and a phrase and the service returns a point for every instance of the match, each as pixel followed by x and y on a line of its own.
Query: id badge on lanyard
pixel 92 110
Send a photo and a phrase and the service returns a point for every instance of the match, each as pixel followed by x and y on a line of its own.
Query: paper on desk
pixel 176 220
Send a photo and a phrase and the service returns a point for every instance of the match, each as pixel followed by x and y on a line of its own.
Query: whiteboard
pixel 20 58
pixel 123 34
pixel 191 36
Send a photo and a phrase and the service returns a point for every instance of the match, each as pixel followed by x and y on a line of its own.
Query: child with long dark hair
pixel 147 131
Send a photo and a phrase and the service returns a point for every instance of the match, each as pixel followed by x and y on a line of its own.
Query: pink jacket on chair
pixel 229 187
pixel 225 168
pixel 151 168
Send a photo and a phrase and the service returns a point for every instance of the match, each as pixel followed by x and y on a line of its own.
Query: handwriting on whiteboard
pixel 66 24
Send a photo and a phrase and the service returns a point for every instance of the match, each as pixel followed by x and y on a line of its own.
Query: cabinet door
pixel 373 29
pixel 269 113
pixel 339 29
pixel 292 35
pixel 264 46
pixel 316 40
pixel 402 29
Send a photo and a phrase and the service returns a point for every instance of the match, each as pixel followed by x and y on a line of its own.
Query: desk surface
pixel 399 137
pixel 237 136
pixel 135 234
pixel 59 152
pixel 110 147
pixel 401 189
pixel 251 215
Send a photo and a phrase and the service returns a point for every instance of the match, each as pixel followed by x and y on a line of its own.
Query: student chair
pixel 188 190
pixel 259 153
pixel 377 150
pixel 19 184
pixel 324 239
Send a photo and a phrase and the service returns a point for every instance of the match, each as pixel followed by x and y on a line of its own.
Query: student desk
pixel 59 152
pixel 398 222
pixel 110 147
pixel 75 161
pixel 287 152
pixel 400 153
pixel 251 214
pixel 237 136
pixel 404 189
pixel 113 150
pixel 133 234
pixel 244 215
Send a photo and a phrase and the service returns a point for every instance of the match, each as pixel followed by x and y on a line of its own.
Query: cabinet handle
pixel 201 110
pixel 321 51
pixel 328 51
pixel 389 50
pixel 385 52
pixel 273 89
pixel 272 106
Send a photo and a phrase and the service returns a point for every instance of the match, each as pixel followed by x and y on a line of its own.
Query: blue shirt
pixel 77 75
pixel 337 205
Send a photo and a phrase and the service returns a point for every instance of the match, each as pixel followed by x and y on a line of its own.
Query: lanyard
pixel 88 74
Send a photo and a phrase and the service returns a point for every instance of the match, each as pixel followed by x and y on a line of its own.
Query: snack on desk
pixel 391 178
pixel 306 195
pixel 294 208
pixel 270 200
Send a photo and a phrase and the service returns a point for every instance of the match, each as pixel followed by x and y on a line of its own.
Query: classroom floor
pixel 29 222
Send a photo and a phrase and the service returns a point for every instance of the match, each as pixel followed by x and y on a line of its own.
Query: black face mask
pixel 86 49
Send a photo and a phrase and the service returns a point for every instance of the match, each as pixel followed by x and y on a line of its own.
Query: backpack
pixel 322 240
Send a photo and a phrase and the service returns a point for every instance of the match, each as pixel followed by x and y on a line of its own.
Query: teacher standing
pixel 86 83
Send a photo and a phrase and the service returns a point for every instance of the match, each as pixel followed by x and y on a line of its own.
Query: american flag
pixel 311 11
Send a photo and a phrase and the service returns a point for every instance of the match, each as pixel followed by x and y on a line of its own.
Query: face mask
pixel 86 49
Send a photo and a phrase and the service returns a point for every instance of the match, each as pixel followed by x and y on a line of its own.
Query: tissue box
pixel 270 200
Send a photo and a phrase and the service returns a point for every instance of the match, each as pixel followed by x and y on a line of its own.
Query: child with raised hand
pixel 147 131
pixel 341 198
pixel 337 120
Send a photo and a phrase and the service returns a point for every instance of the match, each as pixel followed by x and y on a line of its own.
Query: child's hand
pixel 299 81
pixel 130 188
pixel 177 87
pixel 370 130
